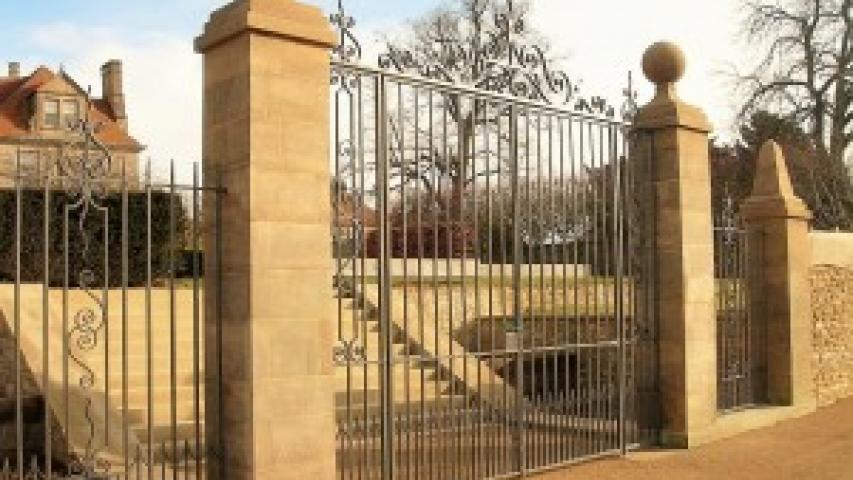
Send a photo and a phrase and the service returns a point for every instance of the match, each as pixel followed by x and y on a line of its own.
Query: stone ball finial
pixel 664 63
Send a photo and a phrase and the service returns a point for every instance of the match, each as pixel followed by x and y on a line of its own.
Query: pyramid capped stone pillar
pixel 266 141
pixel 777 224
pixel 671 152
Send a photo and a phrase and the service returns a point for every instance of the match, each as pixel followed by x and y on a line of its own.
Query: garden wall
pixel 832 305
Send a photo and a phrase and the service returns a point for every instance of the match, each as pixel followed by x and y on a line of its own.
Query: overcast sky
pixel 600 41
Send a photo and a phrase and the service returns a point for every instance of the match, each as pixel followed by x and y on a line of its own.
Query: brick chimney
pixel 14 69
pixel 113 90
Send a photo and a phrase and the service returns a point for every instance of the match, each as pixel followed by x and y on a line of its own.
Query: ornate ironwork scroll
pixel 496 58
pixel 86 163
pixel 348 48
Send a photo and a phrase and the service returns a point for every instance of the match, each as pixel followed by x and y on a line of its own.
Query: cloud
pixel 162 79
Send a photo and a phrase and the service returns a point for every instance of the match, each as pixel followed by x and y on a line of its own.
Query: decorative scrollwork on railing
pixel 86 162
pixel 499 60
pixel 348 351
pixel 348 48
pixel 630 105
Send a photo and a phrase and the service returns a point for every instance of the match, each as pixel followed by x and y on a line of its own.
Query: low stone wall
pixel 832 248
pixel 832 306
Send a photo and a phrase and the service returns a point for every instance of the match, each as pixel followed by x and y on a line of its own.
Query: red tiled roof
pixel 14 110
pixel 110 132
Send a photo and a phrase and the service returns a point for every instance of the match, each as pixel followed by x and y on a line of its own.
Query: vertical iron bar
pixel 149 361
pixel 588 414
pixel 530 316
pixel 196 325
pixel 618 288
pixel 124 318
pixel 65 346
pixel 386 356
pixel 563 142
pixel 420 299
pixel 448 227
pixel 596 211
pixel 490 444
pixel 48 453
pixel 435 239
pixel 518 434
pixel 105 315
pixel 173 326
pixel 460 218
pixel 404 238
pixel 19 412
pixel 363 466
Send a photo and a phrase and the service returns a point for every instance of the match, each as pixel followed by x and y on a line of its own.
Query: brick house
pixel 36 111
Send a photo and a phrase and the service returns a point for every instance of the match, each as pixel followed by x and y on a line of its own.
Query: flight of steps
pixel 137 379
pixel 107 396
pixel 357 385
pixel 425 375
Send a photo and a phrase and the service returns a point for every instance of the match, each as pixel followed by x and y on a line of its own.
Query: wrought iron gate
pixel 100 317
pixel 739 336
pixel 483 271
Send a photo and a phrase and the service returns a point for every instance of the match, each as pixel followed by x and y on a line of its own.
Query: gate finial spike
pixel 771 174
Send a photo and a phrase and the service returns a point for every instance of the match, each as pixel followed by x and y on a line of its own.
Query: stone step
pixel 158 353
pixel 138 397
pixel 138 415
pixel 374 409
pixel 357 376
pixel 137 377
pixel 464 368
pixel 163 452
pixel 430 390
pixel 162 433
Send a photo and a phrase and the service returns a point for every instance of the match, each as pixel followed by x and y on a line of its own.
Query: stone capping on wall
pixel 288 20
pixel 832 248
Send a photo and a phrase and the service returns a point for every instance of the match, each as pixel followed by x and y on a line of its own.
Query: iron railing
pixel 484 279
pixel 107 361
pixel 739 336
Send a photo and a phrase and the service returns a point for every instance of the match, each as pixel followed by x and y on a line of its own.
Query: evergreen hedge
pixel 86 237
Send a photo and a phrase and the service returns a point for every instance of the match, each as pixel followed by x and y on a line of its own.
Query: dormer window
pixel 70 113
pixel 51 114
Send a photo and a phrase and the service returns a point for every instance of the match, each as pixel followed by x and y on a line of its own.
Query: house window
pixel 70 113
pixel 28 162
pixel 51 114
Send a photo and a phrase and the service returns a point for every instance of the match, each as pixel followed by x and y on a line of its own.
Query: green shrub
pixel 94 241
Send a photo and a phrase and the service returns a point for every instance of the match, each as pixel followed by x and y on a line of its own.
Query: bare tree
pixel 445 148
pixel 805 73
pixel 487 44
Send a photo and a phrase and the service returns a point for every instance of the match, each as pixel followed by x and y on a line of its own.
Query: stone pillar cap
pixel 282 18
pixel 772 193
pixel 664 64
pixel 771 173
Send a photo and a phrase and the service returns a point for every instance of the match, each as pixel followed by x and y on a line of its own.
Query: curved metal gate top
pixel 484 274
